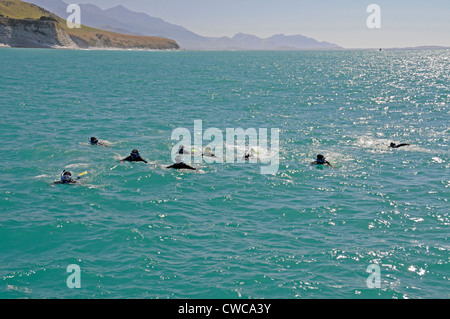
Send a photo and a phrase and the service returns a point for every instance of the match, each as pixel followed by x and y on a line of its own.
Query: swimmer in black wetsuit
pixel 393 145
pixel 94 141
pixel 66 178
pixel 320 160
pixel 180 165
pixel 135 156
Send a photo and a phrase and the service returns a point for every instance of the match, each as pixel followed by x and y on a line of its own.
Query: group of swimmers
pixel 135 156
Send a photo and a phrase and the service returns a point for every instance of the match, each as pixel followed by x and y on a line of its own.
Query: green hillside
pixel 84 36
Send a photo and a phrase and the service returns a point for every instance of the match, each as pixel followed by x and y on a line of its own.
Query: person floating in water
pixel 393 145
pixel 320 160
pixel 94 141
pixel 180 164
pixel 135 156
pixel 66 178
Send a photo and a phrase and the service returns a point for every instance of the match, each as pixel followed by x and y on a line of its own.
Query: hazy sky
pixel 403 22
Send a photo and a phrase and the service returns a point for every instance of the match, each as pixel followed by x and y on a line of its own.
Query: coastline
pixel 6 46
pixel 57 47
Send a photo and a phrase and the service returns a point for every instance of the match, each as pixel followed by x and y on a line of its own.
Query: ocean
pixel 375 225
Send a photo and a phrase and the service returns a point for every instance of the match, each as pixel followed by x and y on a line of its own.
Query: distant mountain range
pixel 122 20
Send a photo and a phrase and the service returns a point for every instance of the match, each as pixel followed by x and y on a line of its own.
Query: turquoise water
pixel 225 231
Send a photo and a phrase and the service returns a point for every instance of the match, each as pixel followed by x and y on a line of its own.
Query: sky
pixel 404 23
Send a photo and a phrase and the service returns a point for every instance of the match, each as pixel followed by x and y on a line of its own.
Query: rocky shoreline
pixel 32 33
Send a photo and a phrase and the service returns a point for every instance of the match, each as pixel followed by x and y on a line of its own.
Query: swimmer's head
pixel 392 144
pixel 66 177
pixel 93 140
pixel 320 158
pixel 135 153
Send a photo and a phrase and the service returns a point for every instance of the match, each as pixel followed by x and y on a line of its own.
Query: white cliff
pixel 28 33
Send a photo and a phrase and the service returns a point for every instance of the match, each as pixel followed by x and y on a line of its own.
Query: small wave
pixel 108 143
pixel 438 160
pixel 78 165
pixel 375 144
pixel 42 176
